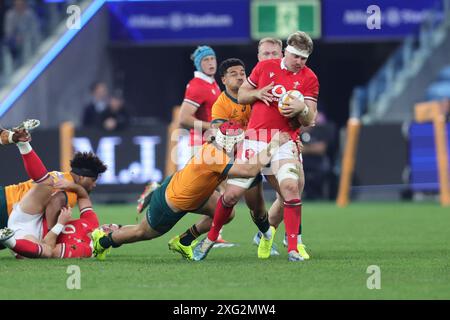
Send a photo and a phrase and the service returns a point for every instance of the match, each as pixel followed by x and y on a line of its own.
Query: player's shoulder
pixel 270 63
pixel 309 73
pixel 222 97
pixel 194 82
pixel 225 99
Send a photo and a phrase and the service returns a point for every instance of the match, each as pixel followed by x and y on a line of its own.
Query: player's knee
pixel 290 189
pixel 231 197
pixel 47 251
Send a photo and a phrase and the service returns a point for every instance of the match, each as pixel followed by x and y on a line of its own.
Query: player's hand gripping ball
pixel 288 97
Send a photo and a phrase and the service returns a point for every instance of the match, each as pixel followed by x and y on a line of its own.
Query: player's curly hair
pixel 87 162
pixel 231 62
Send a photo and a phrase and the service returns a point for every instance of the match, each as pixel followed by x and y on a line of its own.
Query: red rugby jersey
pixel 76 233
pixel 202 91
pixel 268 117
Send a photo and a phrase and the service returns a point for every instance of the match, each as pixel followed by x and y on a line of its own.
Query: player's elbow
pixel 184 121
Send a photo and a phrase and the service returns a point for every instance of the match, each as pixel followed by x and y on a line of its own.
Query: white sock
pixel 299 238
pixel 268 234
pixel 24 147
pixel 10 243
pixel 207 243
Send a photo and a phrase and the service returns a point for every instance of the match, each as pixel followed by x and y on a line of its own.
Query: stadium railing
pixel 368 103
pixel 50 15
pixel 371 102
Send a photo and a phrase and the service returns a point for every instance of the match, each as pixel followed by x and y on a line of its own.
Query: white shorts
pixel 25 224
pixel 252 147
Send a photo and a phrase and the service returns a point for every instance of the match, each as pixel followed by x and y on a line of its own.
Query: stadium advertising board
pixel 133 157
pixel 349 19
pixel 45 143
pixel 422 157
pixel 179 21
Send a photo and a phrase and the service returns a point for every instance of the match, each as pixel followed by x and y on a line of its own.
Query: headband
pixel 301 53
pixel 84 172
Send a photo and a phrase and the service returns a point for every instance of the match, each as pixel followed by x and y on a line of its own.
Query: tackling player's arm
pixel 83 197
pixel 248 94
pixel 254 165
pixel 188 119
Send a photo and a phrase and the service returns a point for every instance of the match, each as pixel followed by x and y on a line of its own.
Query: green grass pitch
pixel 409 242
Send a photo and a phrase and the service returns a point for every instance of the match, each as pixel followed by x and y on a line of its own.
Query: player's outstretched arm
pixel 248 94
pixel 84 201
pixel 254 165
pixel 67 185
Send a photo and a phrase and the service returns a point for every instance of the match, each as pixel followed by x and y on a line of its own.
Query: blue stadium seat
pixel 438 90
pixel 444 74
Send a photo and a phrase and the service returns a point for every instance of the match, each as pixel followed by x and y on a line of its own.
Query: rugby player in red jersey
pixel 268 82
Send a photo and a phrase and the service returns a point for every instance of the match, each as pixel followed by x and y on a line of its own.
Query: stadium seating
pixel 444 75
pixel 439 89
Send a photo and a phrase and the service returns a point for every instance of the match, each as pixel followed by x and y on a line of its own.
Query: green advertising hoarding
pixel 271 18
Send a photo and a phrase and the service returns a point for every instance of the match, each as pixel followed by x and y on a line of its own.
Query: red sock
pixel 221 215
pixel 27 248
pixel 292 220
pixel 34 166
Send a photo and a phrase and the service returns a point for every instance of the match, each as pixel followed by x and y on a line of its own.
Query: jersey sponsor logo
pixel 69 229
pixel 213 91
pixel 278 90
pixel 296 84
pixel 271 75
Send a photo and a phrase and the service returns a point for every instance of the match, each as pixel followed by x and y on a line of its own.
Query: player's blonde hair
pixel 270 40
pixel 301 40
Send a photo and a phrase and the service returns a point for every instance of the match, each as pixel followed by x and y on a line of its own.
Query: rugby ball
pixel 288 97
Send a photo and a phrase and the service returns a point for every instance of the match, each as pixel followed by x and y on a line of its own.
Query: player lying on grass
pixel 191 189
pixel 85 168
pixel 28 235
